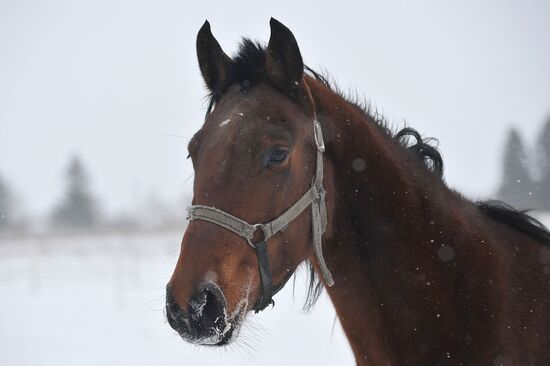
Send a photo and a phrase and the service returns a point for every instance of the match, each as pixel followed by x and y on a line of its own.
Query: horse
pixel 289 170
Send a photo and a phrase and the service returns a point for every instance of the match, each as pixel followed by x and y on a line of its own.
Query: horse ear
pixel 284 61
pixel 213 62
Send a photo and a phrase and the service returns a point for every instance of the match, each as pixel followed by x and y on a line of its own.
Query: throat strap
pixel 315 196
pixel 265 276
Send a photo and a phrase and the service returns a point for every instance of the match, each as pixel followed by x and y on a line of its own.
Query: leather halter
pixel 315 197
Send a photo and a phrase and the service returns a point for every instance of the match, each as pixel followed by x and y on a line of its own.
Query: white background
pixel 110 79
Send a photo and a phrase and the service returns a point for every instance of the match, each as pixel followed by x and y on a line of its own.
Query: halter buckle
pixel 318 133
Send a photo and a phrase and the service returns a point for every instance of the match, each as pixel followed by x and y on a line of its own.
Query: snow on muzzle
pixel 205 321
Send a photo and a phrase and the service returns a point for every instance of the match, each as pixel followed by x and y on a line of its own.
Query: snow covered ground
pixel 98 300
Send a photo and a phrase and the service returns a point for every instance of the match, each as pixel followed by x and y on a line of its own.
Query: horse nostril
pixel 173 307
pixel 173 312
pixel 207 307
pixel 204 320
pixel 171 304
pixel 197 304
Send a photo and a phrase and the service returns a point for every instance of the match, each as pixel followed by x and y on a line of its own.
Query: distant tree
pixel 543 151
pixel 517 187
pixel 6 202
pixel 78 208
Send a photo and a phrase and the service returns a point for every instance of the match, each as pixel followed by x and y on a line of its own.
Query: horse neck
pixel 386 220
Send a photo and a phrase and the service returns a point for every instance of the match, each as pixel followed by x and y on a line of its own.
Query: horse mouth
pixel 226 338
pixel 214 337
pixel 233 326
pixel 222 336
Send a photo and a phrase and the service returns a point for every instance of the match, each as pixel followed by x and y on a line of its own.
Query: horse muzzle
pixel 205 321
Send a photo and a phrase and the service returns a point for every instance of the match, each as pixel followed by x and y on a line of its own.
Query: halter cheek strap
pixel 315 197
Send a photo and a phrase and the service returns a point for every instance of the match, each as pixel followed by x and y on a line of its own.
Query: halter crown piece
pixel 315 197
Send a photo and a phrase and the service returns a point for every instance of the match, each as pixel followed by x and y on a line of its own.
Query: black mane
pixel 247 68
pixel 518 219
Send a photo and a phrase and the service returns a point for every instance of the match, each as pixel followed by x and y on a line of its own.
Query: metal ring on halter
pixel 256 227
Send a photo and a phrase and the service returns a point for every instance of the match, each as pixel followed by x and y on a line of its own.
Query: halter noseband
pixel 315 197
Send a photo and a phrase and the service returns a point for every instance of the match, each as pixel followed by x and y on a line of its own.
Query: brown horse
pixel 422 276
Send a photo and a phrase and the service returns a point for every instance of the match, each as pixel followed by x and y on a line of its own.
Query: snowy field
pixel 99 299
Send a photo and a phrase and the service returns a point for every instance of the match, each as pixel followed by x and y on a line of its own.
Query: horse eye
pixel 277 156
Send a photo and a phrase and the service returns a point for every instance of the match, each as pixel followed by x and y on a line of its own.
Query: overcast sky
pixel 110 80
